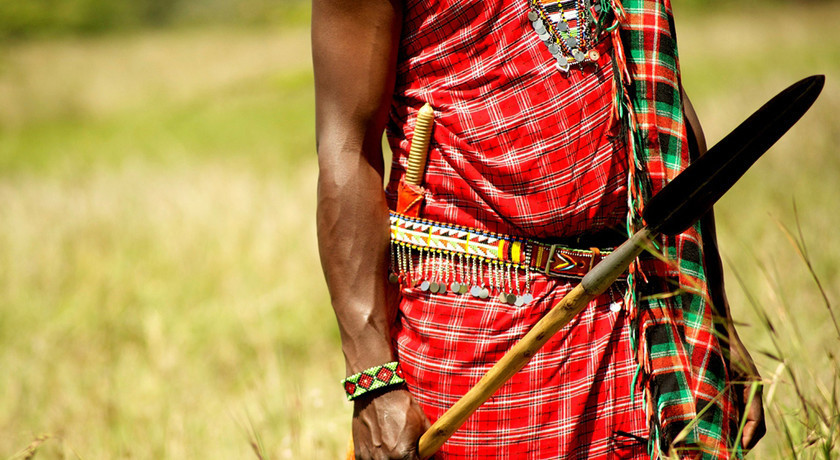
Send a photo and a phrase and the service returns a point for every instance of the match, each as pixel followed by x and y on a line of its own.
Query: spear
pixel 671 211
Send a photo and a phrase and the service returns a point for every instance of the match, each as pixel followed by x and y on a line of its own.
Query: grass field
pixel 160 292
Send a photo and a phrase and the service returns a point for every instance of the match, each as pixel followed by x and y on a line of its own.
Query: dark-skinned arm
pixel 354 49
pixel 742 369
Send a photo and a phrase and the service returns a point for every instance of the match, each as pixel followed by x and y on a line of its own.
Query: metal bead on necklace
pixel 566 28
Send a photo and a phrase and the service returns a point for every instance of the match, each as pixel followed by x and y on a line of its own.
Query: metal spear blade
pixel 693 192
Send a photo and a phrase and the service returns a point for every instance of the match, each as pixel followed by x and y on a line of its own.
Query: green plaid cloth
pixel 681 359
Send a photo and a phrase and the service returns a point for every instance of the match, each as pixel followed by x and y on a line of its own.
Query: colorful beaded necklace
pixel 567 28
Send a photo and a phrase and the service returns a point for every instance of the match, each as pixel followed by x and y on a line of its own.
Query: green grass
pixel 160 292
pixel 166 98
pixel 241 126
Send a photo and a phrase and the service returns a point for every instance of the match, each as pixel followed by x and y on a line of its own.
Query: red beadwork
pixel 372 379
pixel 365 381
pixel 385 374
pixel 350 388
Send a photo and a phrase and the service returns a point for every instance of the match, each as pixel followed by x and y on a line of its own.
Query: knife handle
pixel 420 145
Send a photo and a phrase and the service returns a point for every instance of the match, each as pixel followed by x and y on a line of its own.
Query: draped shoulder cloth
pixel 680 351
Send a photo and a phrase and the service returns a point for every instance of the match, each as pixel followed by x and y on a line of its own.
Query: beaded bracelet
pixel 371 379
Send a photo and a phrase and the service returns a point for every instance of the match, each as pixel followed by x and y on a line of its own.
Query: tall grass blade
pixel 798 243
pixel 781 420
pixel 753 390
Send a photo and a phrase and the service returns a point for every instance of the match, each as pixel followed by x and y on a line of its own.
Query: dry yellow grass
pixel 160 310
pixel 97 77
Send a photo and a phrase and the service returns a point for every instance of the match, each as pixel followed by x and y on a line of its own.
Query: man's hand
pixel 388 426
pixel 744 373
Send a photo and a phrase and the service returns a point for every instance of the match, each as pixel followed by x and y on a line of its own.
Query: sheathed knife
pixel 671 211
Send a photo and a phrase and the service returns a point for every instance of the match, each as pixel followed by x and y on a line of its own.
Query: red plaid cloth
pixel 571 401
pixel 518 147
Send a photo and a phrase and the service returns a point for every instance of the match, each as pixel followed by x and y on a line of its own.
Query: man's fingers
pixel 749 438
pixel 412 454
pixel 387 426
pixel 426 422
pixel 746 437
pixel 416 447
pixel 754 428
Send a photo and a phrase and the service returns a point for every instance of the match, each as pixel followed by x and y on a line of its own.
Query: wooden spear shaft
pixel 593 284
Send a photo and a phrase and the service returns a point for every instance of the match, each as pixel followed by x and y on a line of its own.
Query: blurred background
pixel 160 291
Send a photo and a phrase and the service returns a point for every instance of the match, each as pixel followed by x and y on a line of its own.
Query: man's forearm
pixel 353 241
pixel 354 54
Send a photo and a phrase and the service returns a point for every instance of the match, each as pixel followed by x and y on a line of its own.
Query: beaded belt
pixel 443 258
